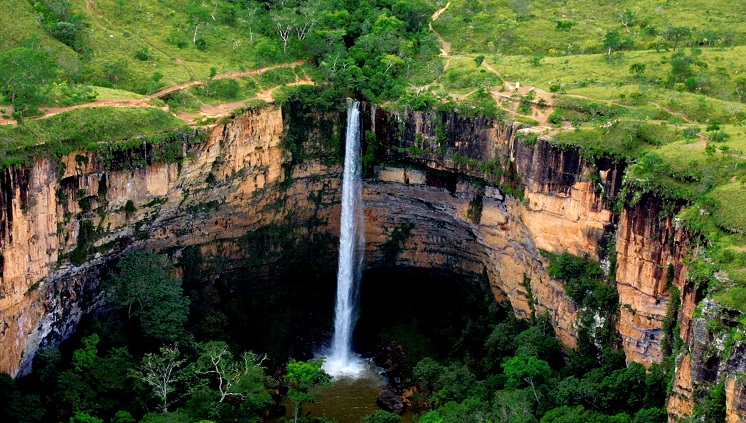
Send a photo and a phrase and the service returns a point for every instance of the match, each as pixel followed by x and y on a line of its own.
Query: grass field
pixel 83 129
pixel 579 26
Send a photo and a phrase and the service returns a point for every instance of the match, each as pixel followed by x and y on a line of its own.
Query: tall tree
pixel 529 369
pixel 143 286
pixel 234 376
pixel 248 17
pixel 677 34
pixel 199 14
pixel 612 41
pixel 285 21
pixel 159 372
pixel 301 377
pixel 23 75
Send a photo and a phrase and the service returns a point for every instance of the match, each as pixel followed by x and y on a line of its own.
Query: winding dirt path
pixel 229 75
pixel 445 46
pixel 145 101
pixel 221 109
pixel 540 114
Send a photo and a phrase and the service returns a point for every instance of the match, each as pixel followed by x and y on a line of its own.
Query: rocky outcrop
pixel 716 354
pixel 651 251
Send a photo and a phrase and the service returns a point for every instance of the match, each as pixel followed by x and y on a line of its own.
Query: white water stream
pixel 341 361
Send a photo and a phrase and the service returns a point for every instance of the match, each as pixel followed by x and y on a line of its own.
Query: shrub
pixel 142 54
pixel 380 416
pixel 555 118
pixel 719 136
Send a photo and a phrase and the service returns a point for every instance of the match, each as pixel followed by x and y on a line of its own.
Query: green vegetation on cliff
pixel 97 128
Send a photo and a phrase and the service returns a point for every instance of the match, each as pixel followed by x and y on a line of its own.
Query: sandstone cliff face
pixel 563 206
pixel 471 198
pixel 713 356
pixel 649 245
pixel 235 181
pixel 217 194
pixel 445 233
pixel 564 209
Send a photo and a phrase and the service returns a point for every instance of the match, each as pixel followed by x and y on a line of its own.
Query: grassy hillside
pixel 578 26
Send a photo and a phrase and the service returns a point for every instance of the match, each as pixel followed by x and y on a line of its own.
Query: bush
pixel 227 89
pixel 142 54
pixel 381 416
pixel 555 118
pixel 691 132
pixel 719 136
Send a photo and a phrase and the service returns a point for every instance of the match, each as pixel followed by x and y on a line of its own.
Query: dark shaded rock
pixel 390 356
pixel 389 401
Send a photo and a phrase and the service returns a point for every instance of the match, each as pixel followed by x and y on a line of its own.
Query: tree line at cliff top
pixel 365 47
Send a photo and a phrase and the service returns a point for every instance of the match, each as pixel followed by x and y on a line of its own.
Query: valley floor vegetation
pixel 163 350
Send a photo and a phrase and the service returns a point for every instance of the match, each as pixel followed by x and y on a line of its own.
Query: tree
pixel 513 405
pixel 522 9
pixel 540 341
pixel 85 357
pixel 381 416
pixel 455 383
pixel 81 417
pixel 142 285
pixel 285 21
pixel 677 33
pixel 627 18
pixel 711 408
pixel 235 377
pixel 470 410
pixel 306 19
pixel 650 415
pixel 248 17
pixel 523 368
pixel 426 373
pixel 681 67
pixel 740 88
pixel 15 407
pixel 23 74
pixel 301 377
pixel 612 41
pixel 199 14
pixel 391 61
pixel 159 372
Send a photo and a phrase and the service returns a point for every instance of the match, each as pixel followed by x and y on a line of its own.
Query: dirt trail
pixel 673 112
pixel 222 109
pixel 540 114
pixel 702 137
pixel 229 75
pixel 445 46
pixel 145 101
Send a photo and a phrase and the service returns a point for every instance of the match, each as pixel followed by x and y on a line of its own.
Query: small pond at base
pixel 347 400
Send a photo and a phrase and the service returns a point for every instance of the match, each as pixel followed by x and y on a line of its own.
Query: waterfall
pixel 341 361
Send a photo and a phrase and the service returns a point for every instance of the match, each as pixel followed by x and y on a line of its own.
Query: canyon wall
pixel 461 194
pixel 567 205
pixel 85 211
